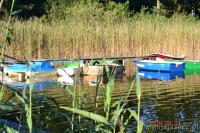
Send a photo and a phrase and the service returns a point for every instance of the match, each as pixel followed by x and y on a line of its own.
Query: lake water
pixel 166 106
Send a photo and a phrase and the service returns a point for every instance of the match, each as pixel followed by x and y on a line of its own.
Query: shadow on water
pixel 169 103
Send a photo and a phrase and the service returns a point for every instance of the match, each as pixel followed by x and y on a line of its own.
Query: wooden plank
pixel 13 60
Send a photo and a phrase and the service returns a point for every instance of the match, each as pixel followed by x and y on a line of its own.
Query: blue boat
pixel 30 69
pixel 158 75
pixel 32 66
pixel 152 65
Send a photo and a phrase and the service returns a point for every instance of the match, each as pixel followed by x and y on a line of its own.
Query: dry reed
pixel 135 36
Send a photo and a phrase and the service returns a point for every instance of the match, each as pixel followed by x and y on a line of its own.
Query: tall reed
pixel 3 45
pixel 110 120
pixel 139 35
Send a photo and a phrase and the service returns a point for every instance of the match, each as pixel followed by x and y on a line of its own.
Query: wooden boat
pixel 92 80
pixel 97 67
pixel 159 65
pixel 92 70
pixel 159 75
pixel 24 71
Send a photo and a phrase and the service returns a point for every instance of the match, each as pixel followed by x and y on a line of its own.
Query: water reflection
pixel 159 75
pixel 174 101
pixel 192 72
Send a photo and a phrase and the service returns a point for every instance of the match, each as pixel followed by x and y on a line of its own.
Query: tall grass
pixel 135 36
pixel 3 42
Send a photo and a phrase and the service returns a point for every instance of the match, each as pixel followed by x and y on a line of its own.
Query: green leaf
pixel 16 12
pixel 138 85
pixel 134 114
pixel 20 98
pixel 10 130
pixel 8 107
pixel 87 114
pixel 141 124
pixel 116 115
pixel 29 120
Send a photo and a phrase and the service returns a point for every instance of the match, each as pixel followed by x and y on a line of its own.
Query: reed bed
pixel 90 37
pixel 135 36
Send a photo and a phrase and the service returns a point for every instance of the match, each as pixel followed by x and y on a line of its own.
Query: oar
pixel 96 58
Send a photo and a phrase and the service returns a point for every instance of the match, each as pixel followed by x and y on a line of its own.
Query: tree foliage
pixel 59 8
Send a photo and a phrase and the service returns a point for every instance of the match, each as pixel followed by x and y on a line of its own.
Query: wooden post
pixel 21 76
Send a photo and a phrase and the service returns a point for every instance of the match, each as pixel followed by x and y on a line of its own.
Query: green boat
pixel 194 65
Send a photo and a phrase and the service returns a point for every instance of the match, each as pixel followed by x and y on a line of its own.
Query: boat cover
pixel 32 66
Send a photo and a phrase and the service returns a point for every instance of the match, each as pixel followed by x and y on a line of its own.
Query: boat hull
pixel 24 71
pixel 159 66
pixel 188 64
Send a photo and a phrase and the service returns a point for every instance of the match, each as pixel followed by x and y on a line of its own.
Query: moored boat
pixel 23 71
pixel 189 64
pixel 159 65
pixel 98 67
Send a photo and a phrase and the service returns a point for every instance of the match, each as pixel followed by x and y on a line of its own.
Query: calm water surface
pixel 166 106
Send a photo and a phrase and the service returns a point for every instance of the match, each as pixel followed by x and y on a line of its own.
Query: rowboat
pixel 92 70
pixel 159 65
pixel 98 67
pixel 24 71
pixel 158 75
pixel 92 80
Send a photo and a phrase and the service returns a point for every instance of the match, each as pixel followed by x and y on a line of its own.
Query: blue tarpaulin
pixel 32 66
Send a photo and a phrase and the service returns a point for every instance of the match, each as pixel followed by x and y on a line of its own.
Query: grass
pixel 139 35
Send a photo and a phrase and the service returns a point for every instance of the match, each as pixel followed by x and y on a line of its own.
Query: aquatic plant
pixel 5 40
pixel 114 119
